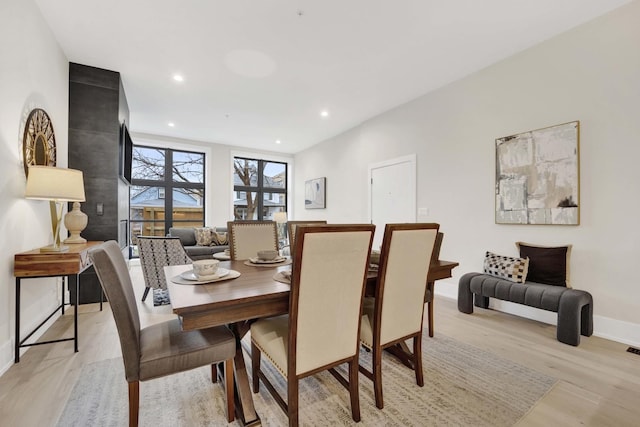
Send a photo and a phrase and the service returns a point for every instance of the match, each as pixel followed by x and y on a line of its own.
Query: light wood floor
pixel 599 382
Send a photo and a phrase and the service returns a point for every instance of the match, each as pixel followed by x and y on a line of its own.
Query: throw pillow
pixel 506 267
pixel 547 264
pixel 219 238
pixel 203 236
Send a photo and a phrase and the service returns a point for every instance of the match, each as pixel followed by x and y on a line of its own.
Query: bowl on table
pixel 204 268
pixel 268 255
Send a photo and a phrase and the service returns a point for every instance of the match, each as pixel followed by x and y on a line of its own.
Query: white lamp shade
pixel 51 183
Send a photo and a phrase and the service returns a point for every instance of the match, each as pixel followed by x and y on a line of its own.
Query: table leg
pixel 63 295
pixel 76 279
pixel 430 308
pixel 244 401
pixel 17 344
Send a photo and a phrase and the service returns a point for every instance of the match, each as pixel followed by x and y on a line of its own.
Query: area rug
pixel 463 386
pixel 161 297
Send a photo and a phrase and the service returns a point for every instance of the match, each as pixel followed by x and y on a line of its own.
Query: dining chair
pixel 156 253
pixel 163 348
pixel 321 330
pixel 396 312
pixel 428 293
pixel 246 238
pixel 291 230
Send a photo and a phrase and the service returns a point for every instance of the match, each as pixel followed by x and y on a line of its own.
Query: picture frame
pixel 315 193
pixel 538 176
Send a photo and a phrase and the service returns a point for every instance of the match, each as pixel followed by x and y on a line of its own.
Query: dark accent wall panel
pixel 97 107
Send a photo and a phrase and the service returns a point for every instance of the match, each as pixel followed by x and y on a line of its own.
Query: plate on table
pixel 190 275
pixel 276 260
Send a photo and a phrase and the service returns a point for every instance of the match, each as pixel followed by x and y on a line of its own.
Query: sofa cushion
pixel 506 267
pixel 547 264
pixel 186 235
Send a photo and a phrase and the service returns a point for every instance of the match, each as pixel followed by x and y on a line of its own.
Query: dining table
pixel 253 294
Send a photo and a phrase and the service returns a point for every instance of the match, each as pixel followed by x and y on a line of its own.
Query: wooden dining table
pixel 237 302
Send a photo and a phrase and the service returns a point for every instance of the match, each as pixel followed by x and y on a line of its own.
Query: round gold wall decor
pixel 38 141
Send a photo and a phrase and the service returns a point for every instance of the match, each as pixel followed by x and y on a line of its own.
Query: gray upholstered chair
pixel 163 348
pixel 321 329
pixel 246 238
pixel 291 230
pixel 156 253
pixel 396 312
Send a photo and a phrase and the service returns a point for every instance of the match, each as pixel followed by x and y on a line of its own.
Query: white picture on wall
pixel 537 176
pixel 314 193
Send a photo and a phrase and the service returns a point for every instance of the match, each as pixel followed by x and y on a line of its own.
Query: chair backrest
pixel 246 238
pixel 404 265
pixel 291 230
pixel 327 286
pixel 113 273
pixel 156 253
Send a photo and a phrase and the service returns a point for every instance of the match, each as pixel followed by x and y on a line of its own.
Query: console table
pixel 35 264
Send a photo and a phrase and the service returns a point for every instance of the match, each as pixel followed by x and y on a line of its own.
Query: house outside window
pixel 167 190
pixel 260 188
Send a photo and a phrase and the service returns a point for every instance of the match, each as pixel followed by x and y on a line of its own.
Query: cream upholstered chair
pixel 321 329
pixel 246 238
pixel 395 314
pixel 156 253
pixel 163 348
pixel 291 230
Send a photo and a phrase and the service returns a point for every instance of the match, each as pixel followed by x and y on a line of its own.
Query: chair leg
pixel 134 402
pixel 292 401
pixel 430 317
pixel 353 390
pixel 377 376
pixel 146 292
pixel 417 359
pixel 214 373
pixel 229 383
pixel 255 367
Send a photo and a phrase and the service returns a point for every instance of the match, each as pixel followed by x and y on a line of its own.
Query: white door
pixel 392 193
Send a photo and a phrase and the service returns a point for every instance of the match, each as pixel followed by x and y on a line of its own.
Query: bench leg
pixel 575 317
pixel 480 301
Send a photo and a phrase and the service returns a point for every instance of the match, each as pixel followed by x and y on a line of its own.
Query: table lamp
pixel 58 185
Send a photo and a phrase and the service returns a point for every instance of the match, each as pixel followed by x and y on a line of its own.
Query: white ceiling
pixel 257 71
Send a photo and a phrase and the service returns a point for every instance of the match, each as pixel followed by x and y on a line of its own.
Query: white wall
pixel 34 73
pixel 591 74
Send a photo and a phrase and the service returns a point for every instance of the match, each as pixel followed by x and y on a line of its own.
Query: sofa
pixel 538 278
pixel 195 251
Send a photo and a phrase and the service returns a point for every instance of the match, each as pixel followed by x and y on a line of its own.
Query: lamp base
pixel 54 249
pixel 74 240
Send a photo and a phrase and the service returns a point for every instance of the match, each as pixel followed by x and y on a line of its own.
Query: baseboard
pixel 6 356
pixel 603 327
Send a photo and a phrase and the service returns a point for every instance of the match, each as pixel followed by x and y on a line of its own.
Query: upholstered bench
pixel 574 307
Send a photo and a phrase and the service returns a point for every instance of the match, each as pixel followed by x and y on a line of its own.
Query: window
pixel 167 190
pixel 260 188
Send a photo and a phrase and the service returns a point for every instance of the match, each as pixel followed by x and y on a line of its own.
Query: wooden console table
pixel 35 264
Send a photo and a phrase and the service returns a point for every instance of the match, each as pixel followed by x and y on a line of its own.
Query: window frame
pixel 259 188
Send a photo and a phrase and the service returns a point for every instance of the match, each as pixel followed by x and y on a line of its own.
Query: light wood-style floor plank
pixel 599 382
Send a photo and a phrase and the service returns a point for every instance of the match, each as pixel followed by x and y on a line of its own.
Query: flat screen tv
pixel 126 154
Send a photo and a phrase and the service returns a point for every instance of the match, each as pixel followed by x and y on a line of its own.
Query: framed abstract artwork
pixel 314 193
pixel 538 176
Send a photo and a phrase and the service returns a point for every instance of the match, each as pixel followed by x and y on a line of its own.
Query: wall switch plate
pixel 423 211
pixel 100 208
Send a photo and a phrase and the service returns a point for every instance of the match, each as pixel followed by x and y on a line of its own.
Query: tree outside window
pixel 167 190
pixel 260 188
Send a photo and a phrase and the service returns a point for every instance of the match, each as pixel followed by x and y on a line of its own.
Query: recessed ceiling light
pixel 278 141
pixel 324 113
pixel 178 78
pixel 171 124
